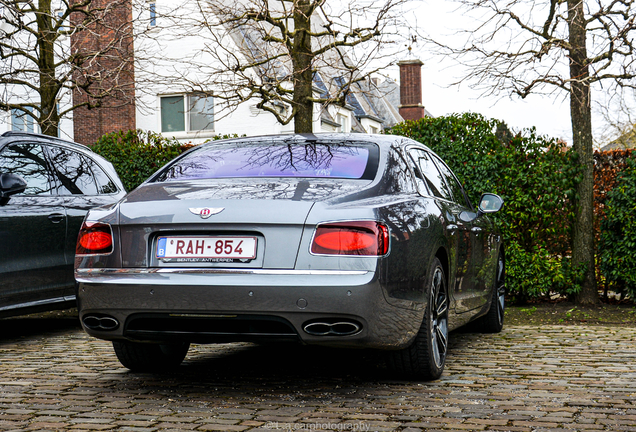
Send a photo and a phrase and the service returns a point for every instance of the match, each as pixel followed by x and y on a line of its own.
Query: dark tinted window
pixel 104 184
pixel 420 179
pixel 432 176
pixel 73 173
pixel 398 178
pixel 280 159
pixel 451 181
pixel 28 161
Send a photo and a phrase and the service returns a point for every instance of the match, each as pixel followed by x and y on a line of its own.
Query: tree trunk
pixel 581 114
pixel 302 58
pixel 49 118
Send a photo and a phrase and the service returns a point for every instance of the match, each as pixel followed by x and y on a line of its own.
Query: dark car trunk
pixel 272 212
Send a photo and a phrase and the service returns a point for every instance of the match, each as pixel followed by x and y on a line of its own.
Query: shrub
pixel 618 232
pixel 607 166
pixel 535 175
pixel 137 154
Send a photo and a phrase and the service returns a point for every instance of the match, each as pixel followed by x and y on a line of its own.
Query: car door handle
pixel 56 217
pixel 476 230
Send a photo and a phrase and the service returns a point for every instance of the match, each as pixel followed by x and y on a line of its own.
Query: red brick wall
pixel 411 107
pixel 106 78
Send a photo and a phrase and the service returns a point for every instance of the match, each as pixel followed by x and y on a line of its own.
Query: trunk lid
pixel 273 211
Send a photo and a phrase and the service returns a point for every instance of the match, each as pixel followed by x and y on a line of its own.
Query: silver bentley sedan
pixel 363 241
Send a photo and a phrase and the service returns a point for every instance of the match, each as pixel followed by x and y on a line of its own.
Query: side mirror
pixel 490 203
pixel 11 184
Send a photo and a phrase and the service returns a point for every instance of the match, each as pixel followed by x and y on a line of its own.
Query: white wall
pixel 163 66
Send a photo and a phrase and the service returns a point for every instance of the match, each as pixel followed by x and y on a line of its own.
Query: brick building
pixel 113 38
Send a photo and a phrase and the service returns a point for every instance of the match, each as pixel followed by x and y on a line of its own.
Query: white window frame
pixel 186 118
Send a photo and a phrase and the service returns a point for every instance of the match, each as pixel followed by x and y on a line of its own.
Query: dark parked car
pixel 47 185
pixel 361 241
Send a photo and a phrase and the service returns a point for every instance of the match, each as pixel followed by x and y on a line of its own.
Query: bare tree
pixel 270 51
pixel 43 60
pixel 618 111
pixel 521 47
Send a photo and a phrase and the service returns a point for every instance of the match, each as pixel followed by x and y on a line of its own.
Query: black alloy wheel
pixel 425 358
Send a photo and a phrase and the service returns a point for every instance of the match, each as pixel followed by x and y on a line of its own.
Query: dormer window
pixel 343 121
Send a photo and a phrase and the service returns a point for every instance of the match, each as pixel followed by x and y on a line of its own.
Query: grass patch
pixel 567 313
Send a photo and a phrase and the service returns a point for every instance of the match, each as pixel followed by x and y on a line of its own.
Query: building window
pixel 152 9
pixel 198 117
pixel 343 121
pixel 59 13
pixel 172 114
pixel 21 121
pixel 201 112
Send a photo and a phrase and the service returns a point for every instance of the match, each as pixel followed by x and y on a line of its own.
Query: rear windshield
pixel 240 160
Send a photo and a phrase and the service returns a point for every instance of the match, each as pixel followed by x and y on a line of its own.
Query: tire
pixel 150 357
pixel 493 321
pixel 424 359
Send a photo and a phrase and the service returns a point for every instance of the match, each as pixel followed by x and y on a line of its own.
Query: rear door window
pixel 420 179
pixel 455 188
pixel 398 178
pixel 74 175
pixel 432 176
pixel 104 184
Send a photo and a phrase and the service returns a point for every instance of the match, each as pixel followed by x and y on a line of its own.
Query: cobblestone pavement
pixel 523 379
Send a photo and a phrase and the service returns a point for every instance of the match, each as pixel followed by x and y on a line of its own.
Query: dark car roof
pixel 15 136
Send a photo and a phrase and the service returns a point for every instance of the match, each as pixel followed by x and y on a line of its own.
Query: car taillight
pixel 351 238
pixel 94 238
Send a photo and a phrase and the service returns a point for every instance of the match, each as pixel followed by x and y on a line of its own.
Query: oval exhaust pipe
pixel 104 323
pixel 339 328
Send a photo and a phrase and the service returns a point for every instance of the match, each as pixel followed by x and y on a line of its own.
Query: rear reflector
pixel 368 238
pixel 94 238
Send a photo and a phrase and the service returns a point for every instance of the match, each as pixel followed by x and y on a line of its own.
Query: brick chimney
pixel 411 107
pixel 112 41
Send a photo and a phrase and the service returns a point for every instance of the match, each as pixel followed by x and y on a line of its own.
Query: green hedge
pixel 535 175
pixel 618 233
pixel 137 154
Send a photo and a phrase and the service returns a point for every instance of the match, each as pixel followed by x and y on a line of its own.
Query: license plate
pixel 207 247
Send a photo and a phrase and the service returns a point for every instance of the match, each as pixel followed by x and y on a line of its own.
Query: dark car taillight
pixel 95 238
pixel 367 238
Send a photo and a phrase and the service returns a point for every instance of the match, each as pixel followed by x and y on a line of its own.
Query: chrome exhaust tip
pixel 334 328
pixel 103 323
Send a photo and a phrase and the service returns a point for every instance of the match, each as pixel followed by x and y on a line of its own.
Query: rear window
pixel 243 160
